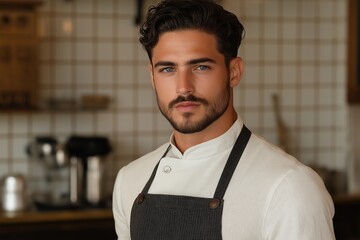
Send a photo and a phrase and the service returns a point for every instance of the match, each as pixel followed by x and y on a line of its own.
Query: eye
pixel 202 67
pixel 167 69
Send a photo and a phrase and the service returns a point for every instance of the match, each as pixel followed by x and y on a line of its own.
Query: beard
pixel 186 124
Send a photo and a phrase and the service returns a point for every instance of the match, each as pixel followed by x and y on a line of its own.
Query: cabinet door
pixel 353 84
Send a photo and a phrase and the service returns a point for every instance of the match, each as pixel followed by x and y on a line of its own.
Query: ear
pixel 236 71
pixel 151 70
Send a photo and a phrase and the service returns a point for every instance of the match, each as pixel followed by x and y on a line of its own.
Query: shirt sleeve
pixel 299 208
pixel 122 227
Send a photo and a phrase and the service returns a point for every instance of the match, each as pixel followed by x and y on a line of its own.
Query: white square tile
pixel 63 6
pixel 146 122
pixel 125 122
pixel 4 149
pixel 327 9
pixel 64 26
pixel 20 124
pixel 143 76
pixel 307 139
pixel 104 28
pixel 84 27
pixel 269 119
pixel 18 145
pixel 271 73
pixel 84 51
pixel 84 74
pixel 105 51
pixel 271 52
pixel 289 74
pixel 41 123
pixel 63 123
pixel 287 98
pixel 63 50
pixel 4 168
pixel 252 75
pixel 253 30
pixel 307 118
pixel 104 74
pixel 289 52
pixel 162 124
pixel 307 97
pixel 126 7
pixel 45 74
pixel 252 9
pixel 125 74
pixel 326 30
pixel 141 54
pixel 307 52
pixel 84 123
pixel 326 118
pixel 271 30
pixel 63 75
pixel 268 93
pixel 125 51
pixel 290 30
pixel 307 74
pixel 308 30
pixel 20 167
pixel 271 9
pixel 125 98
pixel 105 7
pixel 252 97
pixel 146 98
pixel 326 96
pixel 4 124
pixel 290 9
pixel 104 123
pixel 308 9
pixel 145 144
pixel 326 74
pixel 251 119
pixel 252 52
pixel 84 6
pixel 126 28
pixel 325 139
pixel 126 147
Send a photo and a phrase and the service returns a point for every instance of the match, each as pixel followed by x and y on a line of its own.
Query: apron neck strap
pixel 232 162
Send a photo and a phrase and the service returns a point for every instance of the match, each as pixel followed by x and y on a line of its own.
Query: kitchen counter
pixel 54 216
pixel 85 224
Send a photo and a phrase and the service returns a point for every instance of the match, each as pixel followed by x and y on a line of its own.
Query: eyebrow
pixel 191 62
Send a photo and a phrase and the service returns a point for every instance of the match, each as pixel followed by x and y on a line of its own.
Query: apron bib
pixel 170 217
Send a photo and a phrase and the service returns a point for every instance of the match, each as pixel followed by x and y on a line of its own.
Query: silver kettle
pixel 13 193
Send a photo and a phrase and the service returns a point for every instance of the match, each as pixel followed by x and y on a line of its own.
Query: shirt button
pixel 167 169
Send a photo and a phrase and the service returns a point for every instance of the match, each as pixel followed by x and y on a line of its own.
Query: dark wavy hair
pixel 204 15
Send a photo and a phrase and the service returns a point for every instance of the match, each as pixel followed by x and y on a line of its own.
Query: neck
pixel 217 128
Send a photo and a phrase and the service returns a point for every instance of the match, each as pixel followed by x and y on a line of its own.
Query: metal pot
pixel 13 193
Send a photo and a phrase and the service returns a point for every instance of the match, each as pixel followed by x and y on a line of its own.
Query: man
pixel 214 179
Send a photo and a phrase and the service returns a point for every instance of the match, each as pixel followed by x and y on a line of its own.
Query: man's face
pixel 191 79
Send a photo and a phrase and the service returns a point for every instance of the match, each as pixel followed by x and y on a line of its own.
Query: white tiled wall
pixel 296 49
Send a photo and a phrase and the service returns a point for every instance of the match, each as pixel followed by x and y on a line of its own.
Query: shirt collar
pixel 209 148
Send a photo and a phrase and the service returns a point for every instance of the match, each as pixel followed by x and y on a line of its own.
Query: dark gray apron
pixel 168 217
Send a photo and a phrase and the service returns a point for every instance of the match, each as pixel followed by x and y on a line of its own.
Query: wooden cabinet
pixel 68 225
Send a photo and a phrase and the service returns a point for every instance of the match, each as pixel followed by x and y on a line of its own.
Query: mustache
pixel 187 98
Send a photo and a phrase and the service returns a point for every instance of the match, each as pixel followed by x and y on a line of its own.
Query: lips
pixel 186 106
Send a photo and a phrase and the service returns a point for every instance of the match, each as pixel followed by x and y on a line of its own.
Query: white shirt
pixel 270 196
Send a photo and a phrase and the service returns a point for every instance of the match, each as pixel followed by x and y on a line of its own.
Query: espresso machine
pixel 86 157
pixel 81 159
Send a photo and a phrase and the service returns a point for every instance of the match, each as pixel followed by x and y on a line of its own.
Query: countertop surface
pixel 54 216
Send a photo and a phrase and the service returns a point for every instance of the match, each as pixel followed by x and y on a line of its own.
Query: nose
pixel 185 82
